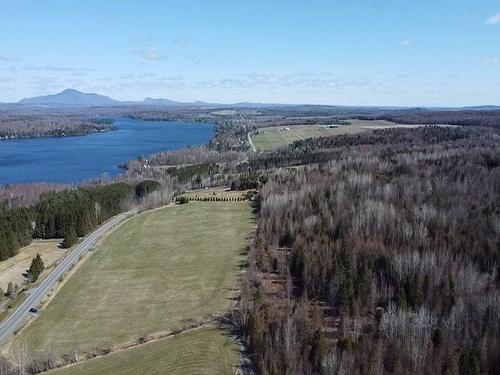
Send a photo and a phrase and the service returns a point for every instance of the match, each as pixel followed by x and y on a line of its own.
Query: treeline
pixel 383 260
pixel 80 209
pixel 490 118
pixel 15 230
pixel 25 195
pixel 247 182
pixel 30 124
pixel 190 172
pixel 67 214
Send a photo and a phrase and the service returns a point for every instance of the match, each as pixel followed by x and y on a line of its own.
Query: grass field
pixel 206 351
pixel 12 269
pixel 275 137
pixel 158 271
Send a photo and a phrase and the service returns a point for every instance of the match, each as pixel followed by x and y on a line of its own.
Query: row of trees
pixel 80 209
pixel 70 213
pixel 193 172
pixel 384 259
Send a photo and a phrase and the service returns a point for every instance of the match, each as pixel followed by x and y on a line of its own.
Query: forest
pixel 15 230
pixel 429 117
pixel 62 214
pixel 81 209
pixel 375 253
pixel 32 124
pixel 382 260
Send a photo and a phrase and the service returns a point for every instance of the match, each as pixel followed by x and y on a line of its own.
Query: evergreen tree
pixel 70 238
pixel 146 187
pixel 36 268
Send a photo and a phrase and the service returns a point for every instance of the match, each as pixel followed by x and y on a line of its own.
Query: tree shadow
pixel 229 329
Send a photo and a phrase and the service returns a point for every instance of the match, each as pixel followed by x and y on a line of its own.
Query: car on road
pixel 33 310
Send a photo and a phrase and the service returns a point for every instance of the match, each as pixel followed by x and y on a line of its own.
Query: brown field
pixel 12 269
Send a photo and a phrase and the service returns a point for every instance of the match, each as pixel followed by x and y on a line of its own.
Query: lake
pixel 75 159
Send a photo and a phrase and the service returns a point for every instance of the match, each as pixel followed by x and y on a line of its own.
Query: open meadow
pixel 12 269
pixel 163 270
pixel 205 351
pixel 275 137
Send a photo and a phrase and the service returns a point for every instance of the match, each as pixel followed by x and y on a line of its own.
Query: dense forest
pixel 430 117
pixel 382 260
pixel 64 214
pixel 15 230
pixel 30 124
pixel 24 195
pixel 79 209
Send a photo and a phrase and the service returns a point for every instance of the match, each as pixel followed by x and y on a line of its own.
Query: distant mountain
pixel 173 103
pixel 73 98
pixel 70 98
pixel 483 108
pixel 161 102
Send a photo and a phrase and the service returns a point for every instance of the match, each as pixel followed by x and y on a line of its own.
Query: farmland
pixel 203 351
pixel 275 137
pixel 164 270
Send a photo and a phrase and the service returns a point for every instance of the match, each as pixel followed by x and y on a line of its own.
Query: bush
pixel 182 200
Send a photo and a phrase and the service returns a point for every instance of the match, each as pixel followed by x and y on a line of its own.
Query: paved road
pixel 15 320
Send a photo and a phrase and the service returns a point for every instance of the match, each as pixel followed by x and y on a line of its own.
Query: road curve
pixel 14 321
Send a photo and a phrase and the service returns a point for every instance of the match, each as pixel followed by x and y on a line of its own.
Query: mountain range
pixel 71 98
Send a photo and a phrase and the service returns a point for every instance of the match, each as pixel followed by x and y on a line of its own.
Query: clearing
pixel 12 269
pixel 207 351
pixel 163 270
pixel 275 137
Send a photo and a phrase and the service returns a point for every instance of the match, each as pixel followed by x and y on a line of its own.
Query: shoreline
pixel 137 134
pixel 14 137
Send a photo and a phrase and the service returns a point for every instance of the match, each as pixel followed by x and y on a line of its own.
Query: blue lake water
pixel 75 159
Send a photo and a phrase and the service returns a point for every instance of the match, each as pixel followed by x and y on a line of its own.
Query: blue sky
pixel 368 52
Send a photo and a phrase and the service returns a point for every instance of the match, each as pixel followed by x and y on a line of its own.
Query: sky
pixel 358 52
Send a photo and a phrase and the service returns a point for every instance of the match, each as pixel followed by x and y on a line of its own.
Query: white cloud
pixel 315 81
pixel 57 68
pixel 152 54
pixel 195 59
pixel 492 60
pixel 493 20
pixel 487 60
pixel 180 42
pixel 7 57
